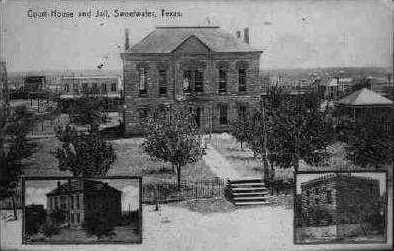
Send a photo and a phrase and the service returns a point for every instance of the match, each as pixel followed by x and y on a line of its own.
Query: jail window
pixel 142 81
pixel 199 81
pixel 187 80
pixel 143 113
pixel 222 80
pixel 242 80
pixel 242 111
pixel 223 114
pixel 103 87
pixel 162 82
pixel 113 87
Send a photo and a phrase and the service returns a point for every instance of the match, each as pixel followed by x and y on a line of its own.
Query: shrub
pixel 99 226
pixel 49 229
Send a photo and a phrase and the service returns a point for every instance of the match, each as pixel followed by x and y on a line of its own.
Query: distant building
pixel 33 84
pixel 339 198
pixel 4 97
pixel 337 87
pixel 80 199
pixel 77 86
pixel 205 68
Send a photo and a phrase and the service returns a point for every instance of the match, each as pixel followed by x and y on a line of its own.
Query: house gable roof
pixel 364 97
pixel 85 185
pixel 166 39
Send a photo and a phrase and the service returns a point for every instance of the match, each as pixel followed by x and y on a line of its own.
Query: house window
pixel 222 80
pixel 187 80
pixel 142 81
pixel 113 87
pixel 66 87
pixel 198 82
pixel 75 88
pixel 242 80
pixel 162 82
pixel 85 87
pixel 76 199
pixel 78 218
pixel 223 114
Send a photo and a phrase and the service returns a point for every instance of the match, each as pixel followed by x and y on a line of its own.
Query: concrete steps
pixel 248 191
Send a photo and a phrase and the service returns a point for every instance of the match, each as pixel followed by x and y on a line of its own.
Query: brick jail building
pixel 341 200
pixel 203 67
pixel 79 199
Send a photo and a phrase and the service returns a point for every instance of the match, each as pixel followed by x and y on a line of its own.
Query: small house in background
pixel 337 87
pixel 339 200
pixel 365 104
pixel 80 199
pixel 34 84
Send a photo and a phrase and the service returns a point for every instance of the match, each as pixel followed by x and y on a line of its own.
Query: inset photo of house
pixel 82 210
pixel 338 207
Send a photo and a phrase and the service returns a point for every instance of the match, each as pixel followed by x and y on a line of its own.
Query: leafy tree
pixel 285 129
pixel 88 110
pixel 173 137
pixel 240 128
pixel 15 123
pixel 84 154
pixel 369 141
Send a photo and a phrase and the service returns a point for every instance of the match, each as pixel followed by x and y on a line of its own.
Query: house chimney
pixel 127 39
pixel 238 34
pixel 246 35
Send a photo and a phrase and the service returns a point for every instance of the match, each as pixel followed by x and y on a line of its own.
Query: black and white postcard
pixel 221 110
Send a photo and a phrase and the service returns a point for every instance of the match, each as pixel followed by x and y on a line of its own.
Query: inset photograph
pixel 338 207
pixel 82 210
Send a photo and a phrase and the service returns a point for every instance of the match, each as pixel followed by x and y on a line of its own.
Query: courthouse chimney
pixel 127 41
pixel 246 35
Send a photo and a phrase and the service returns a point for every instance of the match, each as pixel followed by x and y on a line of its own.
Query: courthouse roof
pixel 166 39
pixel 365 97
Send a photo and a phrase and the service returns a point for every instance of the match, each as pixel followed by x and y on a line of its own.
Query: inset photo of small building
pixel 82 210
pixel 338 207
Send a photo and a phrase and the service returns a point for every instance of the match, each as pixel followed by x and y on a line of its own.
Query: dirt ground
pixel 178 228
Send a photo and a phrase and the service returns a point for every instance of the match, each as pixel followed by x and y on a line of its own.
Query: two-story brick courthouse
pixel 210 70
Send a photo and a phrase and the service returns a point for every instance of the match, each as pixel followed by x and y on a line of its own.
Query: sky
pixel 302 178
pixel 292 34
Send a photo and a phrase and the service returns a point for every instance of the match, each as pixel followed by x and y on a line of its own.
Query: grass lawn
pixel 130 161
pixel 207 206
pixel 242 158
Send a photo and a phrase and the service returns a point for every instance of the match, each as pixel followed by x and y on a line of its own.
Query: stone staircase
pixel 247 191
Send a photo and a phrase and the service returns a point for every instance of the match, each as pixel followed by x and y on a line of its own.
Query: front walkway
pixel 219 165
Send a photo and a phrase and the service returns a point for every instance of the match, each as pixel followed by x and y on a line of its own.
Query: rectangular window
pixel 329 197
pixel 223 114
pixel 187 81
pixel 104 87
pixel 198 81
pixel 162 82
pixel 113 87
pixel 242 80
pixel 143 113
pixel 75 88
pixel 76 199
pixel 66 87
pixel 94 87
pixel 84 87
pixel 142 81
pixel 198 116
pixel 78 218
pixel 222 81
pixel 242 112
